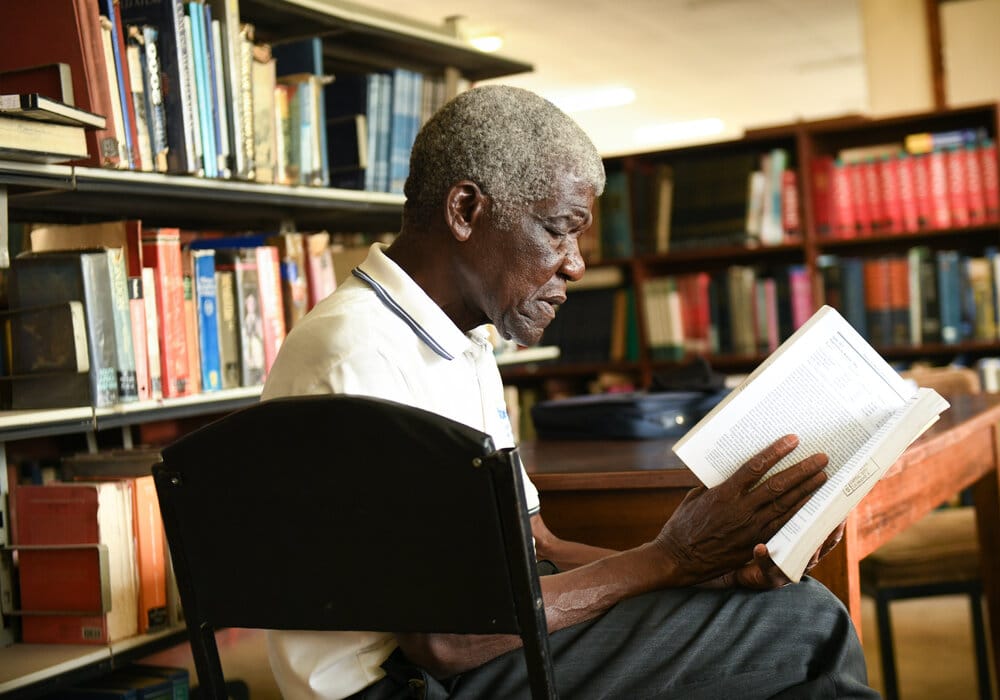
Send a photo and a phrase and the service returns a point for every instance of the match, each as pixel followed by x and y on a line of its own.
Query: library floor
pixel 933 648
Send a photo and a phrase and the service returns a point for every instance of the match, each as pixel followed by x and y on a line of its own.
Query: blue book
pixel 852 293
pixel 949 266
pixel 616 224
pixel 209 159
pixel 217 94
pixel 180 679
pixel 206 299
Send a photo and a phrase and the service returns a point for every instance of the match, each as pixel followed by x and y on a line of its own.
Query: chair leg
pixel 979 635
pixel 886 650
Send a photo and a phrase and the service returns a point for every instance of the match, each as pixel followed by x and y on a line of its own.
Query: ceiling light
pixel 599 98
pixel 677 131
pixel 488 43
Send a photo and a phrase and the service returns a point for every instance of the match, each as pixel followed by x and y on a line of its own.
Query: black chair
pixel 340 513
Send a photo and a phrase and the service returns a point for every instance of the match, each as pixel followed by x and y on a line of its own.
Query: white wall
pixel 970 34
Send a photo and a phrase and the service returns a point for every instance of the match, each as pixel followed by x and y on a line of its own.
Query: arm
pixel 712 533
pixel 563 553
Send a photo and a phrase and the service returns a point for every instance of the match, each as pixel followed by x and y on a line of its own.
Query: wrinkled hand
pixel 763 574
pixel 715 532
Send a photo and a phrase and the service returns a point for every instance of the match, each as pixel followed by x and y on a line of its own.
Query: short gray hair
pixel 507 140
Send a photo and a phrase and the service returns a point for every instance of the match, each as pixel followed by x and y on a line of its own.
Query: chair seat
pixel 942 546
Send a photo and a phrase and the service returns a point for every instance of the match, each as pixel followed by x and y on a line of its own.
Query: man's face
pixel 525 268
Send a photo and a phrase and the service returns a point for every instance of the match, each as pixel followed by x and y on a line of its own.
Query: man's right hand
pixel 714 532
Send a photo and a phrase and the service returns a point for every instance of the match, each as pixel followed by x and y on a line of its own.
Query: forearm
pixel 570 597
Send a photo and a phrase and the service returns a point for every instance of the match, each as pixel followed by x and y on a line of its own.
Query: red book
pixel 906 170
pixel 87 568
pixel 860 199
pixel 937 174
pixel 72 35
pixel 790 223
pixel 801 292
pixel 320 277
pixel 958 187
pixel 899 300
pixel 821 170
pixel 137 314
pixel 161 251
pixel 876 202
pixel 974 181
pixel 843 208
pixel 272 307
pixel 991 179
pixel 922 191
pixel 887 172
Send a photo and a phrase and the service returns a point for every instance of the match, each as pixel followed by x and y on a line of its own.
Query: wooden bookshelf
pixel 804 142
pixel 353 40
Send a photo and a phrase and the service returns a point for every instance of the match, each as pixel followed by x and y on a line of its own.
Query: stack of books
pixel 40 129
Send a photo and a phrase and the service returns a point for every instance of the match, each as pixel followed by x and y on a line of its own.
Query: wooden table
pixel 618 494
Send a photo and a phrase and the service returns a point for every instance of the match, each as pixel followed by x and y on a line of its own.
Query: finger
pixel 754 468
pixel 795 476
pixel 784 508
pixel 769 571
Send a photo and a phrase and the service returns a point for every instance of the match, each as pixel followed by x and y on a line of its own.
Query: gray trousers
pixel 795 642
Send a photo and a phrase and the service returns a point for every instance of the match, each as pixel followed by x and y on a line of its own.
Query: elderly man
pixel 500 189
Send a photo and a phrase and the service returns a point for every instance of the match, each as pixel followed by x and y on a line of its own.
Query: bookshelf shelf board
pixel 33 670
pixel 727 254
pixel 222 401
pixel 978 235
pixel 191 202
pixel 972 347
pixel 362 39
pixel 534 371
pixel 35 175
pixel 21 425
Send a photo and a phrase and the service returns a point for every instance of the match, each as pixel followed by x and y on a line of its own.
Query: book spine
pixel 123 139
pixel 137 89
pixel 821 170
pixel 202 91
pixel 150 552
pixel 223 138
pixel 949 295
pixel 974 175
pixel 938 178
pixel 163 254
pixel 246 51
pixel 958 187
pixel 264 82
pixel 843 214
pixel 154 98
pixel 790 220
pixel 191 325
pixel 228 14
pixel 124 80
pixel 152 333
pixel 887 174
pixel 229 338
pixel 906 169
pixel 873 190
pixel 922 191
pixel 137 317
pixel 127 383
pixel 271 305
pixel 206 297
pixel 991 180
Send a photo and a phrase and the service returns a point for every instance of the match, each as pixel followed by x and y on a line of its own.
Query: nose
pixel 573 266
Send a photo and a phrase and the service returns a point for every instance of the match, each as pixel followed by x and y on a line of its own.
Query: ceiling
pixel 748 63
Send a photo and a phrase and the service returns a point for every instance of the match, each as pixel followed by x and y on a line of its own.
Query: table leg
pixel 838 571
pixel 986 496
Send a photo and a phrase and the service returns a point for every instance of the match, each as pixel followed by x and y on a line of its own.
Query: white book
pixel 827 385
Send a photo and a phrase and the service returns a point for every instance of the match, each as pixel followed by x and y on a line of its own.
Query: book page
pixel 827 385
pixel 830 388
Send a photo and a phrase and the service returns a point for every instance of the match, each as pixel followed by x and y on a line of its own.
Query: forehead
pixel 567 192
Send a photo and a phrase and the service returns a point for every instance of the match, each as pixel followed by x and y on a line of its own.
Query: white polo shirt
pixel 379 334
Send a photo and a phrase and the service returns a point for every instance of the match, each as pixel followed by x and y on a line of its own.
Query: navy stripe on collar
pixel 384 297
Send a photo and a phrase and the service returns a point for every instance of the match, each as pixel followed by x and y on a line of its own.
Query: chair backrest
pixel 349 513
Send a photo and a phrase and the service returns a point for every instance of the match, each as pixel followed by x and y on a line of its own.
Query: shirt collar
pixel 410 302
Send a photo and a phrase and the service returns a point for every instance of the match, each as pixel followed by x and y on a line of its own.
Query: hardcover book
pixel 827 385
pixel 37 106
pixel 53 277
pixel 75 521
pixel 72 36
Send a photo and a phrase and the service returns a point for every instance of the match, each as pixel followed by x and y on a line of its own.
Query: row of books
pixel 92 562
pixel 922 297
pixel 744 199
pixel 929 181
pixel 186 89
pixel 742 309
pixel 103 314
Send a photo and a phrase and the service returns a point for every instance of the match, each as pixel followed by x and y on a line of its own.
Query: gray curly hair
pixel 507 140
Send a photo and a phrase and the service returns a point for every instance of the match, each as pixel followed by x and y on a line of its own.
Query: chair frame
pixel 279 458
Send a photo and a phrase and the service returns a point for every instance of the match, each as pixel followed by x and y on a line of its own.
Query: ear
pixel 465 205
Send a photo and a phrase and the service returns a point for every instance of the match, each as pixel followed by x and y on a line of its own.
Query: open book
pixel 827 385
